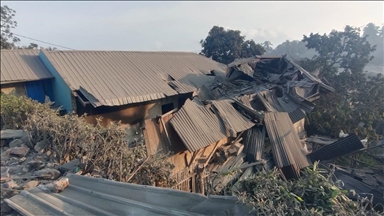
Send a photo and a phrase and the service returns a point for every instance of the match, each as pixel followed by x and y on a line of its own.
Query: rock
pixel 20 151
pixel 5 209
pixel 12 134
pixel 27 141
pixel 5 155
pixel 31 184
pixel 70 166
pixel 48 153
pixel 11 184
pixel 22 159
pixel 16 143
pixel 35 165
pixel 48 173
pixel 40 146
pixel 60 184
pixel 4 175
pixel 50 165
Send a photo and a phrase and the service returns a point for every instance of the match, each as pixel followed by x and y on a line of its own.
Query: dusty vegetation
pixel 102 150
pixel 313 194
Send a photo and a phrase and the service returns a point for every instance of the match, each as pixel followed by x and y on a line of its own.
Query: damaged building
pixel 251 119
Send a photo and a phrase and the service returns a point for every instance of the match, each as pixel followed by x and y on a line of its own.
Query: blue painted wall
pixel 61 91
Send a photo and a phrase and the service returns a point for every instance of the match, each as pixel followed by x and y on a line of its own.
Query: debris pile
pixel 260 108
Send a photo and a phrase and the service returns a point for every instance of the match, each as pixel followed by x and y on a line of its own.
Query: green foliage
pixel 347 50
pixel 375 37
pixel 69 137
pixel 16 110
pixel 357 99
pixel 227 45
pixel 312 194
pixel 7 38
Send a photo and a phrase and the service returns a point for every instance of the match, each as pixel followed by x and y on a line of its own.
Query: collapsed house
pixel 250 120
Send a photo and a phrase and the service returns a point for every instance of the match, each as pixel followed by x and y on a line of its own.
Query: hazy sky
pixel 179 26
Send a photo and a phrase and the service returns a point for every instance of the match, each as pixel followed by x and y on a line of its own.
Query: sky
pixel 179 26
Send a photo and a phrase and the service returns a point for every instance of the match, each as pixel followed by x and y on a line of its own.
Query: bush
pixel 312 194
pixel 69 137
pixel 15 110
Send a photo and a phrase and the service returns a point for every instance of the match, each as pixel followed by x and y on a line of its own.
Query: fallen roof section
pixel 197 125
pixel 22 65
pixel 96 196
pixel 114 78
pixel 286 145
pixel 337 149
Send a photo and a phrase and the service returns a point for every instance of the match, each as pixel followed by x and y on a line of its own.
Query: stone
pixel 11 184
pixel 12 134
pixel 48 153
pixel 6 154
pixel 40 146
pixel 50 165
pixel 70 166
pixel 20 151
pixel 5 175
pixel 35 165
pixel 27 141
pixel 16 143
pixel 31 184
pixel 60 184
pixel 48 173
pixel 22 159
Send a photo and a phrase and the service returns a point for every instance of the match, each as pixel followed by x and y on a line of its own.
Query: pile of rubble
pixel 25 165
pixel 260 107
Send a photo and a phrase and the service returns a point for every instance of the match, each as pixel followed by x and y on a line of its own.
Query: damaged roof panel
pixel 237 121
pixel 339 148
pixel 286 145
pixel 95 196
pixel 253 140
pixel 113 78
pixel 21 66
pixel 197 125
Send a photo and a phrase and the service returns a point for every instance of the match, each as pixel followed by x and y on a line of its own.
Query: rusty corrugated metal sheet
pixel 197 125
pixel 21 66
pixel 286 145
pixel 237 121
pixel 253 140
pixel 337 149
pixel 96 196
pixel 113 78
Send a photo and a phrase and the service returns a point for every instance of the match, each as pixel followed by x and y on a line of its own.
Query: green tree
pixel 357 104
pixel 346 50
pixel 374 36
pixel 268 47
pixel 295 50
pixel 227 45
pixel 7 38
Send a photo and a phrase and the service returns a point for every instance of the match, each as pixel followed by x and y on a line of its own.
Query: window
pixel 167 107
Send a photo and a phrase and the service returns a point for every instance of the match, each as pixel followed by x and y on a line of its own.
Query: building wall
pixel 61 91
pixel 17 89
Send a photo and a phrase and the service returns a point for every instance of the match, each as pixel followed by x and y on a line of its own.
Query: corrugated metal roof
pixel 311 77
pixel 339 148
pixel 95 196
pixel 286 145
pixel 237 121
pixel 253 140
pixel 197 125
pixel 113 78
pixel 297 115
pixel 21 66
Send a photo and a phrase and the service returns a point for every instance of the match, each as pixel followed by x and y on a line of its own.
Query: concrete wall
pixel 17 89
pixel 61 91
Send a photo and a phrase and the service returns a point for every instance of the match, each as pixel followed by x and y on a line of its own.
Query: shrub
pixel 312 194
pixel 15 110
pixel 69 137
